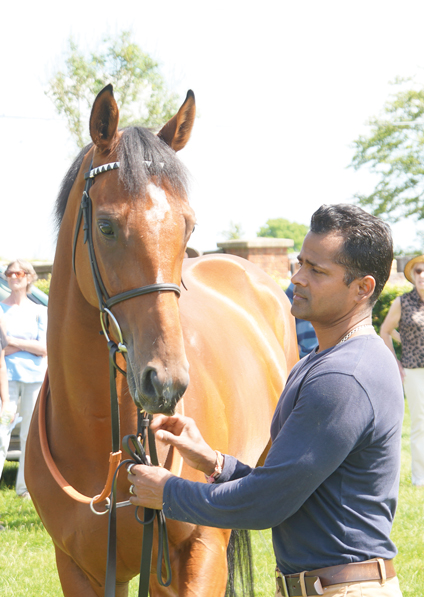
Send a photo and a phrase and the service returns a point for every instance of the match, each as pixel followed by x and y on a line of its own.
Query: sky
pixel 282 91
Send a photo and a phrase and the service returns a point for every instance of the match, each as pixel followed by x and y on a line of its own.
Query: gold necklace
pixel 349 334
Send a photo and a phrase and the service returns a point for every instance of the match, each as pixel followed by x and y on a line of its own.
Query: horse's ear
pixel 104 119
pixel 177 131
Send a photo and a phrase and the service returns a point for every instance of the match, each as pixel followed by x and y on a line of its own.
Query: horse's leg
pixel 75 583
pixel 199 566
pixel 203 564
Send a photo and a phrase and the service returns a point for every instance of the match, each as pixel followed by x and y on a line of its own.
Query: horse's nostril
pixel 158 392
pixel 147 382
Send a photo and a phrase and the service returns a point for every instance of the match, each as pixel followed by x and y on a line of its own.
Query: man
pixel 330 481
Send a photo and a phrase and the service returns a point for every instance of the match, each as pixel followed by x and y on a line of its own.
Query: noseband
pixel 105 301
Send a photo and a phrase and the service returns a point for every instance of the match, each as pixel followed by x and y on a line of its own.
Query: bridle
pixel 137 452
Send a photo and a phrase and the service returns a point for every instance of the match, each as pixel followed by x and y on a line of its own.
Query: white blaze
pixel 156 214
pixel 160 205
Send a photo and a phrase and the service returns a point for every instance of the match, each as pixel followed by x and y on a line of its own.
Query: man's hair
pixel 367 248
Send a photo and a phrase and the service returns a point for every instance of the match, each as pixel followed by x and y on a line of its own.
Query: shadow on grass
pixel 8 478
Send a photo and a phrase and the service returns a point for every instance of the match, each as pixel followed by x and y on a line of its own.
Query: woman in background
pixel 407 313
pixel 26 352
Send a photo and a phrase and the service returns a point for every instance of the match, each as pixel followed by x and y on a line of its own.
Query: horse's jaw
pixel 156 389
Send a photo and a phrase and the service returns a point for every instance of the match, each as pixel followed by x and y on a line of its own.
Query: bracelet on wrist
pixel 218 468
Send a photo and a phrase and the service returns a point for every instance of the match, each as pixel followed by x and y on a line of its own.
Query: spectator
pixel 26 352
pixel 407 313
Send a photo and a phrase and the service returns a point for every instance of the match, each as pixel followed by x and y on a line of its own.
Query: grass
pixel 28 568
pixel 408 528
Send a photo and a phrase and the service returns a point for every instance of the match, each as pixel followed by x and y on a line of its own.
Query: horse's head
pixel 140 224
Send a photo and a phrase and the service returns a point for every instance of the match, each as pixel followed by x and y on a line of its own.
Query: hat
pixel 410 265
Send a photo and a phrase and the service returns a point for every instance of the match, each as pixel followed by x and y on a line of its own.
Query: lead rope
pixel 163 559
pixel 138 457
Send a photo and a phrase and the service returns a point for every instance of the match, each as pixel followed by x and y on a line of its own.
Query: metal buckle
pixel 281 583
pixel 121 346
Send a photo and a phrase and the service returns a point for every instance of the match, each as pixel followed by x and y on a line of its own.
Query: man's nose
pixel 298 278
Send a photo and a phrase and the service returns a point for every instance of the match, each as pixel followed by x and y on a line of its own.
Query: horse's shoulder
pixel 238 279
pixel 219 266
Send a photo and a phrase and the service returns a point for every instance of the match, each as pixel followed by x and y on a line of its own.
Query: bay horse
pixel 230 329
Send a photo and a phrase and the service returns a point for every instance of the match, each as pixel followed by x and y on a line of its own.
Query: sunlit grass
pixel 28 567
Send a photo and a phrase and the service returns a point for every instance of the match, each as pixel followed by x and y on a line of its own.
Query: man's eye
pixel 106 228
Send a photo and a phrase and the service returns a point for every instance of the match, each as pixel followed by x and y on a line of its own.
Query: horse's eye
pixel 106 228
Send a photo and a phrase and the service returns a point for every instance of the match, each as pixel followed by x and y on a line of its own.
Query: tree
pixel 394 150
pixel 139 87
pixel 234 231
pixel 281 228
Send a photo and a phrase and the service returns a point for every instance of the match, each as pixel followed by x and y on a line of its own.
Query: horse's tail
pixel 240 565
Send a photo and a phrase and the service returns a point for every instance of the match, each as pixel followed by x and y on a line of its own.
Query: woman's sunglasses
pixel 16 274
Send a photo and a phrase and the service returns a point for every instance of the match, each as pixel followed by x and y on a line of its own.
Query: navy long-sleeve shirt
pixel 329 484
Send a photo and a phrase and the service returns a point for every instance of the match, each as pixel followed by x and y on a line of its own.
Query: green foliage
pixel 44 284
pixel 394 150
pixel 234 231
pixel 139 87
pixel 282 228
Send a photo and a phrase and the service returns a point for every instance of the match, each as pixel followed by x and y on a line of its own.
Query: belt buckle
pixel 281 583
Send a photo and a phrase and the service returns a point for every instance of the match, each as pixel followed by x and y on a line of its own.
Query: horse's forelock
pixel 137 146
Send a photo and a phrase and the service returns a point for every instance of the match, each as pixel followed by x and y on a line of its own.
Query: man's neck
pixel 329 336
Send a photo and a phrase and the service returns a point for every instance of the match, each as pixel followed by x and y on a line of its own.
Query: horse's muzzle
pixel 157 392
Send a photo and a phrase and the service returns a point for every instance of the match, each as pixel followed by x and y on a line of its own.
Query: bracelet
pixel 218 468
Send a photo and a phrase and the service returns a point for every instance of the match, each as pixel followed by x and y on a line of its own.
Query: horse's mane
pixel 137 146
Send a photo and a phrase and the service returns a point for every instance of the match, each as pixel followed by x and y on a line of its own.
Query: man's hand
pixel 182 433
pixel 147 483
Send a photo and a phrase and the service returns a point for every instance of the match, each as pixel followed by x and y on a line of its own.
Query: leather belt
pixel 290 585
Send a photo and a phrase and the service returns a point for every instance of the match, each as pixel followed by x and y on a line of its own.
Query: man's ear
pixel 366 287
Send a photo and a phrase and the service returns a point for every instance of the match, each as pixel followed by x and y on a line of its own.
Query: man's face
pixel 320 294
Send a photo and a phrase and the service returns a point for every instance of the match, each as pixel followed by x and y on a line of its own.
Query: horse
pixel 212 337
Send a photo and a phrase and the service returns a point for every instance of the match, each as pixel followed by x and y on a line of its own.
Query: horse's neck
pixel 77 353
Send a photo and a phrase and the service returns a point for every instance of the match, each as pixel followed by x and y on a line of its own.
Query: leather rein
pixel 137 451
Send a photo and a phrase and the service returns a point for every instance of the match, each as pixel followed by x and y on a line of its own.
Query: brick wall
pixel 270 254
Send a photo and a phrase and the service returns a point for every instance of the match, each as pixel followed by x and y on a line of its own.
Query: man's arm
pixel 315 439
